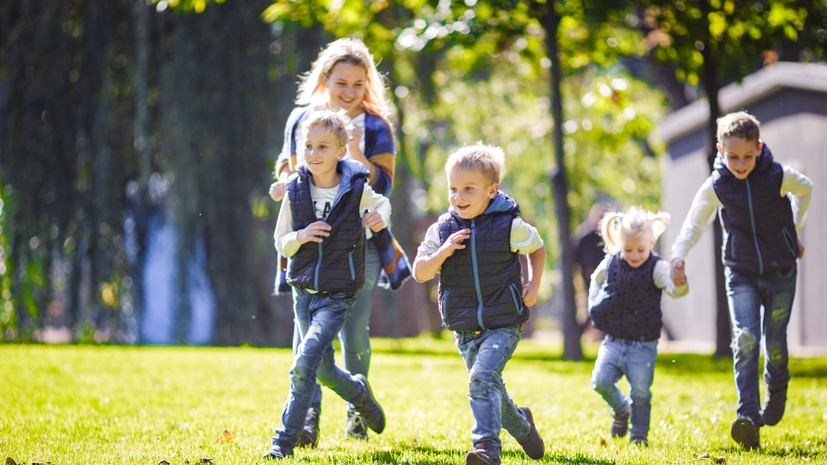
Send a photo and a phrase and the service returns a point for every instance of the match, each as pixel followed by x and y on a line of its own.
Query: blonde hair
pixel 312 85
pixel 488 160
pixel 739 124
pixel 335 122
pixel 615 227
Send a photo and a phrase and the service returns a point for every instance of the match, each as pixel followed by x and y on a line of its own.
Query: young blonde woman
pixel 345 77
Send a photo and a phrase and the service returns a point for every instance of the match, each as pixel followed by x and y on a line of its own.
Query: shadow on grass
pixel 424 455
pixel 813 367
pixel 678 363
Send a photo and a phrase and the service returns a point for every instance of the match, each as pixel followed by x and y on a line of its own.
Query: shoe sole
pixel 743 432
pixel 473 459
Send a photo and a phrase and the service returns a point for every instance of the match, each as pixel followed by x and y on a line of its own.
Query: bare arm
pixel 536 263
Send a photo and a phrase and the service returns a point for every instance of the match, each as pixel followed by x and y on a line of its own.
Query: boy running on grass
pixel 474 247
pixel 322 230
pixel 762 207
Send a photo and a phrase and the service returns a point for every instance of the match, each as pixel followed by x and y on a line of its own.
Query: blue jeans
pixel 636 360
pixel 485 354
pixel 759 308
pixel 319 318
pixel 355 334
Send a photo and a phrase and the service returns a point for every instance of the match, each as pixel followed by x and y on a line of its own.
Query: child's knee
pixel 481 382
pixel 600 384
pixel 744 342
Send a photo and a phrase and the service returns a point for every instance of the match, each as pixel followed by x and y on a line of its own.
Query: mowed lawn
pixel 144 405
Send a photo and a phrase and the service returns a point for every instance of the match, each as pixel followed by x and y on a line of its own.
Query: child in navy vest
pixel 321 228
pixel 474 247
pixel 762 207
pixel 344 76
pixel 624 303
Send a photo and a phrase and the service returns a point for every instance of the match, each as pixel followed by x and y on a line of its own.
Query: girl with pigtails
pixel 624 303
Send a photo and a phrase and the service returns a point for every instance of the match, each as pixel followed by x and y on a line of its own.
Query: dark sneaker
pixel 309 437
pixel 368 408
pixel 276 453
pixel 773 408
pixel 533 443
pixel 620 423
pixel 482 457
pixel 745 433
pixel 639 441
pixel 356 427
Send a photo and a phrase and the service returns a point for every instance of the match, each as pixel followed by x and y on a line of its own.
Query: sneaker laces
pixel 621 419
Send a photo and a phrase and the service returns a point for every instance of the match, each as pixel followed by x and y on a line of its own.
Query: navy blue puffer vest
pixel 480 286
pixel 759 232
pixel 336 264
pixel 629 307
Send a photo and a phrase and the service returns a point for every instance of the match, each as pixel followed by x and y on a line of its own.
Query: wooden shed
pixel 790 101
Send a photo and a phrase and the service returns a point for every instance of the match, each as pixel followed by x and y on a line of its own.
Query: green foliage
pixel 7 303
pixel 138 406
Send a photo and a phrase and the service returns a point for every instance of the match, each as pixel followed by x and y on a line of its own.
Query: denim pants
pixel 759 308
pixel 355 334
pixel 635 359
pixel 485 354
pixel 319 318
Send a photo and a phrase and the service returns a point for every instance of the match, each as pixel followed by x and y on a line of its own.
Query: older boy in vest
pixel 762 207
pixel 474 247
pixel 321 229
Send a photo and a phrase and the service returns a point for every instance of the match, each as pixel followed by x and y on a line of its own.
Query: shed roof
pixel 805 76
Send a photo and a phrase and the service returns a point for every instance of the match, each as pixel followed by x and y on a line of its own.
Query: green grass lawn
pixel 142 405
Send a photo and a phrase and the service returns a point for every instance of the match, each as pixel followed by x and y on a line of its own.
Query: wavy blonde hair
pixel 637 222
pixel 312 86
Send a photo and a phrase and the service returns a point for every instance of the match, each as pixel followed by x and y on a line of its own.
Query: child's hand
pixel 373 220
pixel 529 294
pixel 314 232
pixel 454 242
pixel 800 249
pixel 277 190
pixel 677 273
pixel 355 137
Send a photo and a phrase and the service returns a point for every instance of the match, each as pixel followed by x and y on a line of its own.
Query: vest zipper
pixel 476 270
pixel 754 232
pixel 318 267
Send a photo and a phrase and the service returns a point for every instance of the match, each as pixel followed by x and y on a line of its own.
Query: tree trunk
pixel 571 330
pixel 712 87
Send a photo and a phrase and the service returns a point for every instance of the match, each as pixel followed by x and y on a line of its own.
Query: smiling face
pixel 469 192
pixel 322 153
pixel 740 155
pixel 346 86
pixel 636 249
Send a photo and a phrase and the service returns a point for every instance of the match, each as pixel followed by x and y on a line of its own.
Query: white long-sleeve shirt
pixel 286 239
pixel 706 204
pixel 660 276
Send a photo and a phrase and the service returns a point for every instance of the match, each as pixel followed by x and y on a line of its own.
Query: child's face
pixel 469 192
pixel 740 155
pixel 322 152
pixel 636 249
pixel 346 87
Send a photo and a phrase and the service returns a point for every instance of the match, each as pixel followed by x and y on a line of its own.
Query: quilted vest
pixel 480 286
pixel 759 232
pixel 337 264
pixel 630 304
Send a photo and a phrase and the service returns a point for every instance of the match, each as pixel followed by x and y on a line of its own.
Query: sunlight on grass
pixel 142 405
